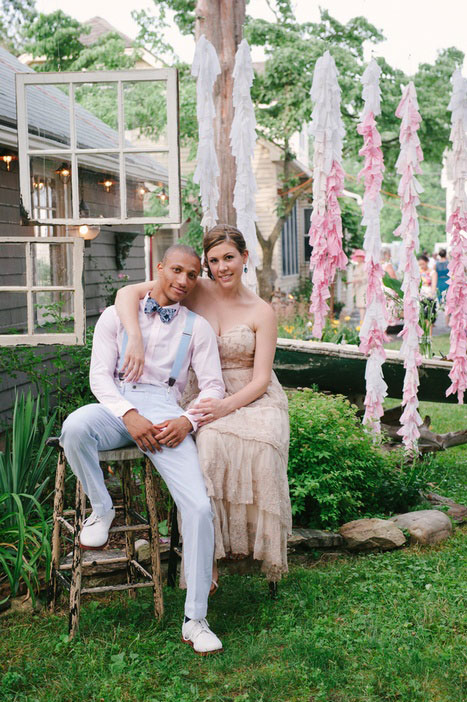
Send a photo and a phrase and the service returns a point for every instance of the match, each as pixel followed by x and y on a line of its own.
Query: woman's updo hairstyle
pixel 219 234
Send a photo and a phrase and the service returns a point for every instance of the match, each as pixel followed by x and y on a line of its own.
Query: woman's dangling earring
pixel 245 268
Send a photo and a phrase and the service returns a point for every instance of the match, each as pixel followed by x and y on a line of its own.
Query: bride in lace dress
pixel 243 439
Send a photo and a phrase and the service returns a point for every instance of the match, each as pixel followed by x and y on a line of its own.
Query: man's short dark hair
pixel 184 248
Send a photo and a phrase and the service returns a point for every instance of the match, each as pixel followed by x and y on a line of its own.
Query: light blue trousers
pixel 94 428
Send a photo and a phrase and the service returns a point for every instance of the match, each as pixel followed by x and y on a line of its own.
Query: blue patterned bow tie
pixel 165 313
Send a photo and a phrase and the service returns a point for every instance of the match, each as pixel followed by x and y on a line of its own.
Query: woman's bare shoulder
pixel 263 312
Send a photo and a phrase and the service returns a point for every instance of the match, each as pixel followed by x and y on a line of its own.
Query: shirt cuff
pixel 192 420
pixel 119 407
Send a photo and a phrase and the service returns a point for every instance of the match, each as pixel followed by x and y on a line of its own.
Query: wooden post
pixel 75 589
pixel 125 472
pixel 221 21
pixel 58 511
pixel 154 540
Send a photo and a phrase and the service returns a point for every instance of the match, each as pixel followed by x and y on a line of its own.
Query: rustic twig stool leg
pixel 125 473
pixel 154 540
pixel 58 511
pixel 75 588
pixel 174 542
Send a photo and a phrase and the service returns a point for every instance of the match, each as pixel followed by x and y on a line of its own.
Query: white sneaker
pixel 95 531
pixel 197 633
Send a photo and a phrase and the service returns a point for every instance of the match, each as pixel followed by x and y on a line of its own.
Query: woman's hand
pixel 133 363
pixel 208 409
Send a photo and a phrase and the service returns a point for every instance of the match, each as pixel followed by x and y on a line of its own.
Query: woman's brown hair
pixel 218 234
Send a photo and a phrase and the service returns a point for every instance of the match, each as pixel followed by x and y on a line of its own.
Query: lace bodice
pixel 237 347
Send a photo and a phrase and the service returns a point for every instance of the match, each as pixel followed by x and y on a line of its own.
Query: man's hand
pixel 173 431
pixel 142 431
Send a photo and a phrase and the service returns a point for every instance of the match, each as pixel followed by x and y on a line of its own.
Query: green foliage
pixel 107 53
pixel 14 15
pixel 25 469
pixel 336 471
pixel 24 542
pixel 383 627
pixel 56 37
pixel 25 461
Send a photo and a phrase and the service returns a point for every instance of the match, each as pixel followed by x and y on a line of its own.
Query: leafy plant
pixel 24 464
pixel 24 542
pixel 336 472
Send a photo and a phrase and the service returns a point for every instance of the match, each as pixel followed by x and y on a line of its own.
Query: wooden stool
pixel 133 523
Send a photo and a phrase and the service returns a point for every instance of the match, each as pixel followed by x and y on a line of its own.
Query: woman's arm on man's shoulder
pixel 127 306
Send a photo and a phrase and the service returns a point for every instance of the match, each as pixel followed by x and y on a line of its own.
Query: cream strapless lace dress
pixel 244 460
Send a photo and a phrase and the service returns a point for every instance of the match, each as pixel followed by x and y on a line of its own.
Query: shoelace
pixel 203 627
pixel 92 519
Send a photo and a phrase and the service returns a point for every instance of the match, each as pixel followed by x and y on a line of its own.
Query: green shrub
pixel 24 543
pixel 336 471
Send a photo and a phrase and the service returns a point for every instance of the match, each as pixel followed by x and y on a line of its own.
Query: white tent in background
pixel 242 141
pixel 205 69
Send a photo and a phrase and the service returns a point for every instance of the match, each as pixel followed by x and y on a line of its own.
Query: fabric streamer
pixel 456 298
pixel 205 69
pixel 328 131
pixel 242 142
pixel 373 331
pixel 408 165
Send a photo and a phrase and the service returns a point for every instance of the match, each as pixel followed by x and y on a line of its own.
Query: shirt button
pixel 134 387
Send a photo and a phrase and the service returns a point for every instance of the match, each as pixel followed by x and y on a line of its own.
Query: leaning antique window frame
pixel 168 75
pixel 34 339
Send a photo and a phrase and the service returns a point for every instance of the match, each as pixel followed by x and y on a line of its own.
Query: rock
pixel 428 526
pixel 455 511
pixel 368 534
pixel 314 538
pixel 142 550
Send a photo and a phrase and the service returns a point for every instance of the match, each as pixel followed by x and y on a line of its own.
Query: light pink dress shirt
pixel 161 343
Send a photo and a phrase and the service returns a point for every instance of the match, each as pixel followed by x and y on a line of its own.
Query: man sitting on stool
pixel 148 414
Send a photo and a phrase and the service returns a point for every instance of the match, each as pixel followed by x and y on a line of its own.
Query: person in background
pixel 386 263
pixel 359 280
pixel 442 273
pixel 427 289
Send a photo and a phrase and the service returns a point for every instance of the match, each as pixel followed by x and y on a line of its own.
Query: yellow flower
pixel 347 319
pixel 357 328
pixel 335 322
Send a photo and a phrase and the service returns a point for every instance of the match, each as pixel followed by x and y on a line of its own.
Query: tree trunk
pixel 221 21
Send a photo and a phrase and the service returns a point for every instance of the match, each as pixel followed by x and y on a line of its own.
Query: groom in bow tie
pixel 147 413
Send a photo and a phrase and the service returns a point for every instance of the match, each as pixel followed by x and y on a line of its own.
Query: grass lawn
pixel 384 627
pixel 440 345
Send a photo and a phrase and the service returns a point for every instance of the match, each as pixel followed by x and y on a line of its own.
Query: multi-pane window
pixel 290 244
pixel 41 291
pixel 92 163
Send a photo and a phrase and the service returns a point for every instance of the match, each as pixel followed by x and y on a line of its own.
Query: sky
pixel 415 29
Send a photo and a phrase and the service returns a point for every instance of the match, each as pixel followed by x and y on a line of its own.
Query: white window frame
pixel 168 75
pixel 31 338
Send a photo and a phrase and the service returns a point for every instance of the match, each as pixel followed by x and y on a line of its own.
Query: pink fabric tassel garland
pixel 373 331
pixel 408 165
pixel 328 183
pixel 456 298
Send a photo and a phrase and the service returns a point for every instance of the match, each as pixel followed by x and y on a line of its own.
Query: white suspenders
pixel 179 356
